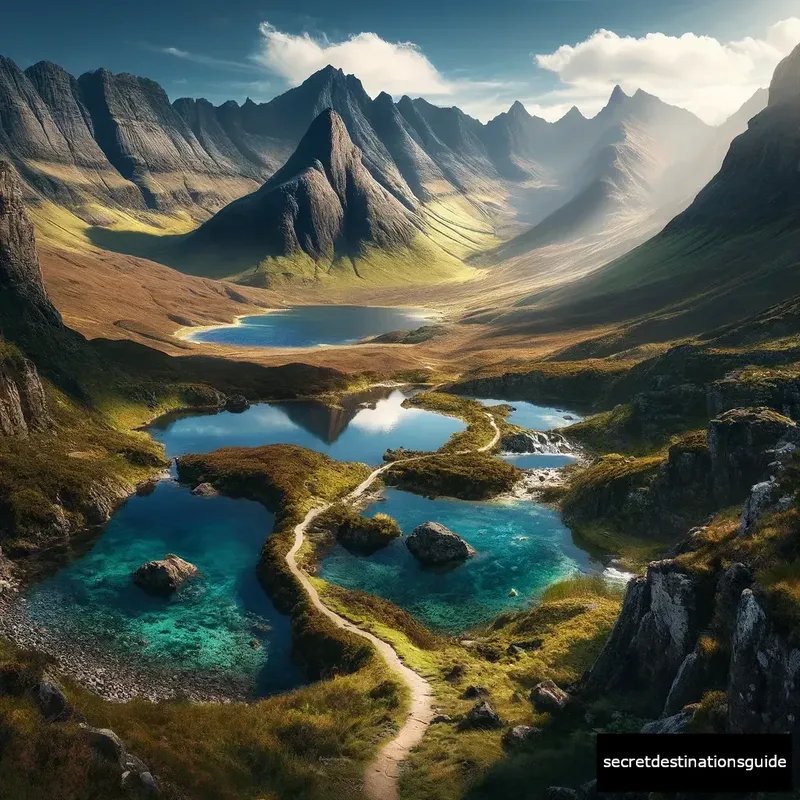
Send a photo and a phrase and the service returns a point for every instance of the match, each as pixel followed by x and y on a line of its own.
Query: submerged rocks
pixel 205 490
pixel 165 576
pixel 237 404
pixel 433 544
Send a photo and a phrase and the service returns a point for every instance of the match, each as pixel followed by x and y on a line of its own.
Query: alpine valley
pixel 350 444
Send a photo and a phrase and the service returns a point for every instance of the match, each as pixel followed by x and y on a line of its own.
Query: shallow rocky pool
pixel 520 545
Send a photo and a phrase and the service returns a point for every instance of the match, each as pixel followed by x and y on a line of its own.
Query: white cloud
pixel 707 76
pixel 394 67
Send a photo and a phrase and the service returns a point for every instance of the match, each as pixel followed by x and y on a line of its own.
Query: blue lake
pixel 533 417
pixel 220 623
pixel 520 545
pixel 307 326
pixel 539 460
pixel 361 429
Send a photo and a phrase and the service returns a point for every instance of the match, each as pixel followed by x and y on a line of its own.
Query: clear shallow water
pixel 519 545
pixel 533 417
pixel 306 326
pixel 539 460
pixel 362 430
pixel 210 625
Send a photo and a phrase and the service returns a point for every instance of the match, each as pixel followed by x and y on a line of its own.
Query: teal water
pixel 307 326
pixel 210 625
pixel 539 460
pixel 361 430
pixel 533 417
pixel 520 545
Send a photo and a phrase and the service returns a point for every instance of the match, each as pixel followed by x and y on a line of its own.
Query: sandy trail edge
pixel 383 772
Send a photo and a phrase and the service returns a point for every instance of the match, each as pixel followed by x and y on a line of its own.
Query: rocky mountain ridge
pixel 117 141
pixel 322 203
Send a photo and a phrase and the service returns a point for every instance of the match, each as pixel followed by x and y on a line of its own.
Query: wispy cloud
pixel 206 60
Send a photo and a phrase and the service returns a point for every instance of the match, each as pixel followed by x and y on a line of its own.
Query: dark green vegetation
pixel 470 476
pixel 357 533
pixel 310 744
pixel 479 430
pixel 557 640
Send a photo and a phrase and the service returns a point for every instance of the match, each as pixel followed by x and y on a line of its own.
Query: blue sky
pixel 706 55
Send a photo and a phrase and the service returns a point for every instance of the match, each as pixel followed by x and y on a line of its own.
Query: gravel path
pixel 383 772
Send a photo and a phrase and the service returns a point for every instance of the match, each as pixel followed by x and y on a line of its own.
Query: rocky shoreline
pixel 111 675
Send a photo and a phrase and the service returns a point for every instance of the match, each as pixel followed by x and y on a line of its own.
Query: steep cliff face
pixel 23 403
pixel 24 305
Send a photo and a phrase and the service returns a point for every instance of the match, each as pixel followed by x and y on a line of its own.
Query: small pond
pixel 221 623
pixel 307 326
pixel 520 545
pixel 534 417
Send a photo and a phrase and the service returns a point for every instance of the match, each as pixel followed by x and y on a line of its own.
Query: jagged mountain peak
pixel 574 114
pixel 785 86
pixel 617 96
pixel 518 109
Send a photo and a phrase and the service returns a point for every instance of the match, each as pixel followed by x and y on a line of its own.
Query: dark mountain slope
pixel 150 144
pixel 323 203
pixel 733 252
pixel 516 141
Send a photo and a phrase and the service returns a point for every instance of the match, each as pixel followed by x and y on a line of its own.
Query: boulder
pixel 471 692
pixel 482 715
pixel 546 696
pixel 106 743
pixel 678 723
pixel 165 576
pixel 205 490
pixel 520 734
pixel 146 488
pixel 51 700
pixel 432 543
pixel 761 497
pixel 237 404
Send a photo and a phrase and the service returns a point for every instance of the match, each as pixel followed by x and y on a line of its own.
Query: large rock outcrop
pixel 164 577
pixel 23 403
pixel 741 443
pixel 433 544
pixel 662 613
pixel 24 304
pixel 764 679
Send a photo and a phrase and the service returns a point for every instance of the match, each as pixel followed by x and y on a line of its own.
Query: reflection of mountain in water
pixel 328 423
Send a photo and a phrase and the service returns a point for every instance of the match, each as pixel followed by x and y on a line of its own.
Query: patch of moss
pixel 356 533
pixel 471 476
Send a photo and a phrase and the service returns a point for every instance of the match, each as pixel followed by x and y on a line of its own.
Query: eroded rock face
pixel 662 613
pixel 678 723
pixel 165 576
pixel 739 442
pixel 764 678
pixel 23 404
pixel 433 543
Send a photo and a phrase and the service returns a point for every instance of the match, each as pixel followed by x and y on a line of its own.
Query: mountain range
pixel 732 251
pixel 103 141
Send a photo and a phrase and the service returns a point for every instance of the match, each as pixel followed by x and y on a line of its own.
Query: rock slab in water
pixel 237 404
pixel 165 576
pixel 432 543
pixel 204 490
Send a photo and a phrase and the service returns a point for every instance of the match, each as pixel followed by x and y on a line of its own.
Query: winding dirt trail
pixel 383 772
